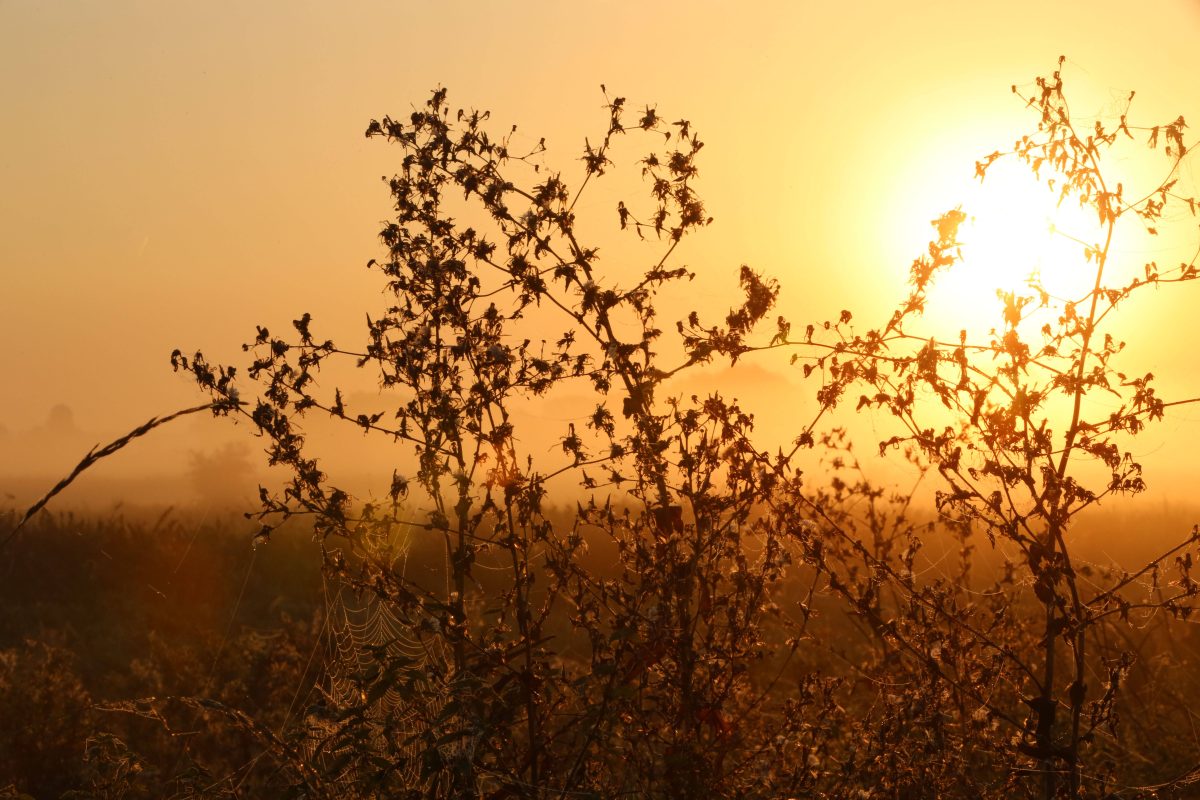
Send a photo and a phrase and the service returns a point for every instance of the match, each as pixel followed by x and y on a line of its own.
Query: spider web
pixel 366 643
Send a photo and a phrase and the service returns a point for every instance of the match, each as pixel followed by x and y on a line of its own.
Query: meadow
pixel 99 609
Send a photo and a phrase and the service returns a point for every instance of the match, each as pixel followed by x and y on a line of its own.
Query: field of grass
pixel 97 611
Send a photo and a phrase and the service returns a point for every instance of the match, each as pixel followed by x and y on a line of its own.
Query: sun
pixel 1019 235
pixel 1017 238
pixel 1005 238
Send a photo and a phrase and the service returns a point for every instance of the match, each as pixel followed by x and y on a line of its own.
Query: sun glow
pixel 1017 238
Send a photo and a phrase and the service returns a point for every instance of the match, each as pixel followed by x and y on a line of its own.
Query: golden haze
pixel 174 175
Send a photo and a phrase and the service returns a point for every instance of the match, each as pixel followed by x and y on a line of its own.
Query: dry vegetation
pixel 711 620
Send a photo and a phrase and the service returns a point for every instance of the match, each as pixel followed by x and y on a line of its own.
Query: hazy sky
pixel 173 173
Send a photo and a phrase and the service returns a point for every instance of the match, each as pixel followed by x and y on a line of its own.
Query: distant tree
pixel 61 419
pixel 223 477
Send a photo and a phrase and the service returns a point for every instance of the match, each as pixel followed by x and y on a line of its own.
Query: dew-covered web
pixel 383 664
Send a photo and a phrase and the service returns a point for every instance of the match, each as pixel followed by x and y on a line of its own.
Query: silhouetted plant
pixel 640 681
pixel 1011 427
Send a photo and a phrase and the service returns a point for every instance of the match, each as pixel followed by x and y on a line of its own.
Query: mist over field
pixel 204 461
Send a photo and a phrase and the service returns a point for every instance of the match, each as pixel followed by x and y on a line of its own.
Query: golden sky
pixel 174 173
